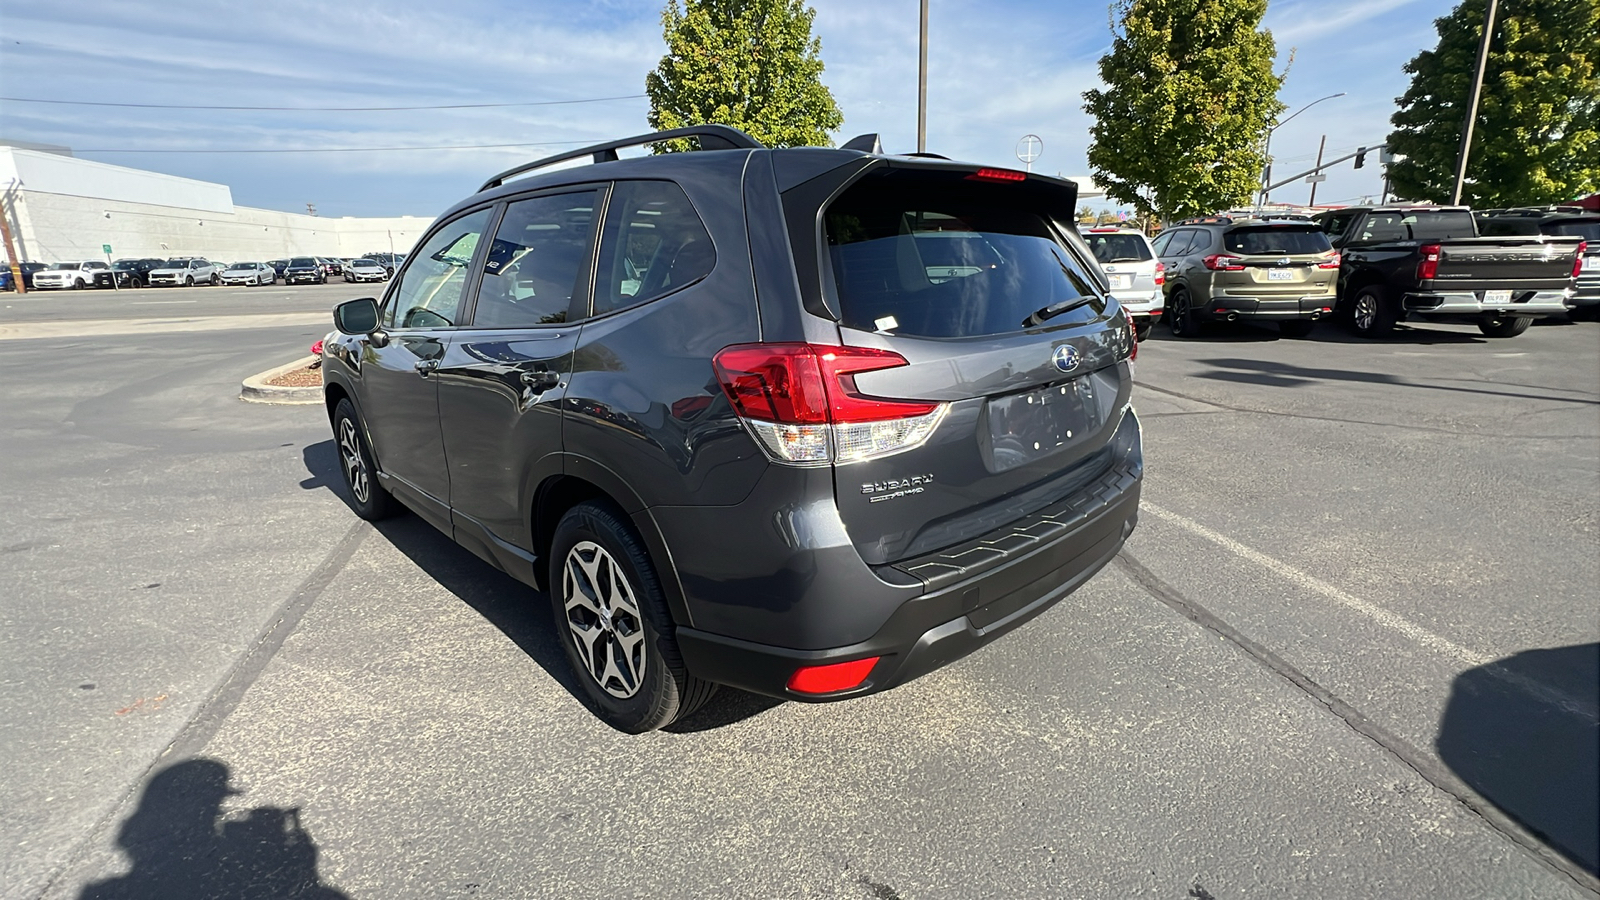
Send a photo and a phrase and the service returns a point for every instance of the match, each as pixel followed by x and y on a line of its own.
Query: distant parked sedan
pixel 329 266
pixel 304 268
pixel 365 270
pixel 249 273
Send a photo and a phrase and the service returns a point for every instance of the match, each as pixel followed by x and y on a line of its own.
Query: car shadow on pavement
pixel 520 612
pixel 1533 759
pixel 184 846
pixel 1278 374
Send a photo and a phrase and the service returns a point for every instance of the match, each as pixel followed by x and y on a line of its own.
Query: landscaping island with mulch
pixel 305 376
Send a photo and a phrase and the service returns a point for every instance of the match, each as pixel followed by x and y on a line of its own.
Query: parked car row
pixel 187 271
pixel 1371 267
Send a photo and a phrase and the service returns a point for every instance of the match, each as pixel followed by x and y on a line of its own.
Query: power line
pixel 342 149
pixel 322 108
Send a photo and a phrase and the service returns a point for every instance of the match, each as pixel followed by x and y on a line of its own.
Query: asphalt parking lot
pixel 1351 651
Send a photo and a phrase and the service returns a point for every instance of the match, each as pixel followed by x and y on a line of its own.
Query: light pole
pixel 922 81
pixel 1266 176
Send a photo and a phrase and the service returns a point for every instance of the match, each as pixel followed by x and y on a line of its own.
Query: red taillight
pixel 832 678
pixel 806 384
pixel 1577 264
pixel 1428 268
pixel 1133 341
pixel 1161 274
pixel 998 175
pixel 1218 262
pixel 1331 262
pixel 804 407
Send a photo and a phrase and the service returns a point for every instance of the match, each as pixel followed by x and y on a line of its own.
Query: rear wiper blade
pixel 1055 309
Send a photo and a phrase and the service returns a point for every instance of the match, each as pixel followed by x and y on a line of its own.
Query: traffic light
pixel 1361 157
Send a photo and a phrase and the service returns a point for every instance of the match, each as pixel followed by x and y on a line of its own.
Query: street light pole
pixel 1472 105
pixel 1266 175
pixel 922 82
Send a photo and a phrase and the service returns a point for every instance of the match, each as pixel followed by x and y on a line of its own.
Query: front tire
pixel 613 622
pixel 1371 314
pixel 188 281
pixel 367 497
pixel 1510 326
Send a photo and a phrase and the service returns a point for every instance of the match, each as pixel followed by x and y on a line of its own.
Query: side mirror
pixel 356 316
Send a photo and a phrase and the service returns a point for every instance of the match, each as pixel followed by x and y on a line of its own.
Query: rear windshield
pixel 1286 240
pixel 1507 226
pixel 956 261
pixel 1118 247
pixel 1417 225
pixel 1588 229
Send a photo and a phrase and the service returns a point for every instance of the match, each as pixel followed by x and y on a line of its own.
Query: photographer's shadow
pixel 184 847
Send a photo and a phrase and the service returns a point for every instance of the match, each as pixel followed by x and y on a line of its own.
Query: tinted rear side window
pixel 1115 248
pixel 1417 225
pixel 654 244
pixel 1280 239
pixel 948 262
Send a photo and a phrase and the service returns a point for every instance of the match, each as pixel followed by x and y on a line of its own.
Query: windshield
pixel 176 263
pixel 65 266
pixel 958 262
pixel 242 266
pixel 1277 239
pixel 1113 247
pixel 364 262
pixel 300 261
pixel 1588 229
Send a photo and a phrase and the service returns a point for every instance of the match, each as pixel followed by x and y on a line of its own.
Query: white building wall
pixel 64 209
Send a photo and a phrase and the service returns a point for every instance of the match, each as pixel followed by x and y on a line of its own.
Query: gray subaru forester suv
pixel 808 422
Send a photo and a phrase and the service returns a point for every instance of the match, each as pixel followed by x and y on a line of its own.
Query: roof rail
pixel 1205 220
pixel 711 137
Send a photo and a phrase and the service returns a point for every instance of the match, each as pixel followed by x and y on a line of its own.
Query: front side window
pixel 654 244
pixel 961 261
pixel 538 261
pixel 428 293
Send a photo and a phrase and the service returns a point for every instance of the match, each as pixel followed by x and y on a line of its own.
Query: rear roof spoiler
pixel 710 137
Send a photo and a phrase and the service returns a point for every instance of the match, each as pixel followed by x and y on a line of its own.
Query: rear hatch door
pixel 999 316
pixel 1516 264
pixel 1278 260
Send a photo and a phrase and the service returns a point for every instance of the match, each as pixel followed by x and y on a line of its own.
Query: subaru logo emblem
pixel 1285 261
pixel 1065 358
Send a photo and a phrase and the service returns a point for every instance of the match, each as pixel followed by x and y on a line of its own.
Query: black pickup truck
pixel 1429 262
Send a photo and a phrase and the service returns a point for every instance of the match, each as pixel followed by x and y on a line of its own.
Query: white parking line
pixel 84 328
pixel 1437 643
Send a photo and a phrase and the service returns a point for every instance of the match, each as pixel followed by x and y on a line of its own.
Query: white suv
pixel 1135 274
pixel 77 276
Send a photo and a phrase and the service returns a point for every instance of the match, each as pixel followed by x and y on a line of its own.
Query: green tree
pixel 751 64
pixel 1537 135
pixel 1189 95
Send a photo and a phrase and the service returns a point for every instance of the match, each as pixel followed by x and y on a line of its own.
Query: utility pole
pixel 922 83
pixel 1472 104
pixel 11 250
pixel 1320 147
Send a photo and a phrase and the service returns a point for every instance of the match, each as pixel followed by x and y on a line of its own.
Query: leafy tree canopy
pixel 751 64
pixel 1537 136
pixel 1190 93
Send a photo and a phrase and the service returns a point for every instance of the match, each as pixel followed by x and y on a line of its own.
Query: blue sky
pixel 998 70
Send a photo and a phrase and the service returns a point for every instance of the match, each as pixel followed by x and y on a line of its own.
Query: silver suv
pixel 1132 270
pixel 1223 269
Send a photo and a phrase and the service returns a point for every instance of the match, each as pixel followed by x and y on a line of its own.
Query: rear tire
pixel 612 620
pixel 1510 326
pixel 1371 314
pixel 1297 328
pixel 215 279
pixel 1180 317
pixel 367 497
pixel 1141 330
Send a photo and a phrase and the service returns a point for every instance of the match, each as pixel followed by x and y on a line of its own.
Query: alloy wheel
pixel 1366 312
pixel 603 618
pixel 355 465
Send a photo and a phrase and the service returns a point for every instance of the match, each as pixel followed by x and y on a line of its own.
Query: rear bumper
pixel 1458 303
pixel 1306 306
pixel 1021 570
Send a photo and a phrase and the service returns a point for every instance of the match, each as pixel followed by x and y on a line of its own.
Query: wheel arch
pixel 585 480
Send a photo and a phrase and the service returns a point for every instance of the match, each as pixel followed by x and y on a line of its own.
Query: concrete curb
pixel 256 390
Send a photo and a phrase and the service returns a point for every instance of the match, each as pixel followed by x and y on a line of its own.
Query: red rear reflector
pixel 1577 264
pixel 831 678
pixel 998 175
pixel 1428 268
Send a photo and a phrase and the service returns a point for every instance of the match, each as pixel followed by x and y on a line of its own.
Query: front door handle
pixel 539 382
pixel 426 367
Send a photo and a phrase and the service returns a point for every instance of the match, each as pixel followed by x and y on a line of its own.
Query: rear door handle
pixel 539 382
pixel 426 367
